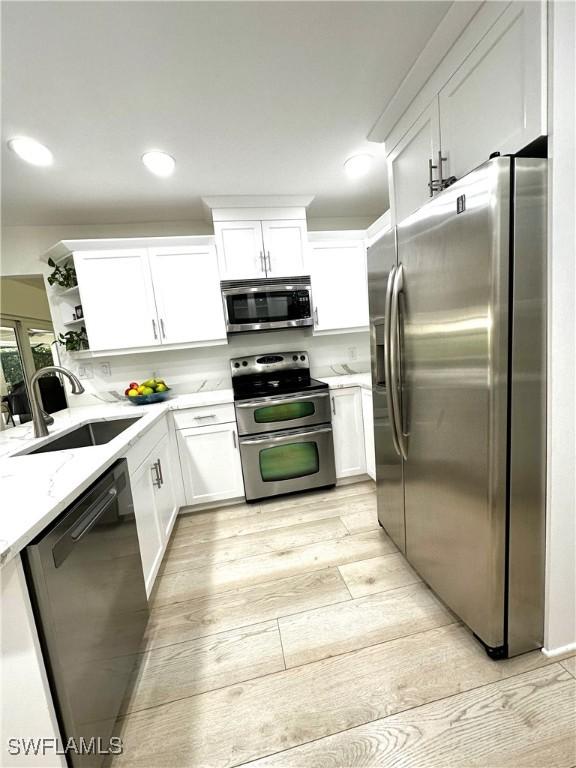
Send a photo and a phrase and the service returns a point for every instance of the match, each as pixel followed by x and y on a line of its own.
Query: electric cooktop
pixel 282 373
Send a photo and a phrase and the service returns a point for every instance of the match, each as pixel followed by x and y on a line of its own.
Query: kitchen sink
pixel 91 433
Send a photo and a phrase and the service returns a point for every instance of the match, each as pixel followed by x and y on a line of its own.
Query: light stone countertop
pixel 363 380
pixel 34 490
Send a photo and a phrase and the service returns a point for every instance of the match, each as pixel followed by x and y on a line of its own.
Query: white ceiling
pixel 250 98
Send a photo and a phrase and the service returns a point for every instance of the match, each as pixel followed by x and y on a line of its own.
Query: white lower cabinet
pixel 149 530
pixel 155 501
pixel 348 429
pixel 165 502
pixel 368 419
pixel 210 460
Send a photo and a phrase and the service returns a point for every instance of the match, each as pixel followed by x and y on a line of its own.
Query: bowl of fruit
pixel 150 391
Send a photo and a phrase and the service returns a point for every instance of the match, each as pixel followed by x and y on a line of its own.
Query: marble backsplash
pixel 208 368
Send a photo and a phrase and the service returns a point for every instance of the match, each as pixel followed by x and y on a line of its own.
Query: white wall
pixel 188 370
pixel 21 300
pixel 560 629
pixel 22 246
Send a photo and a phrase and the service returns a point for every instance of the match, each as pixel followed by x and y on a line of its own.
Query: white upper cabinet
pixel 495 101
pixel 284 247
pixel 240 249
pixel 413 164
pixel 187 290
pixel 339 285
pixel 487 94
pixel 117 298
pixel 164 294
pixel 256 249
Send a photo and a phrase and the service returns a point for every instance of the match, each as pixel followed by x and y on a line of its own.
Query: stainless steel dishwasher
pixel 87 586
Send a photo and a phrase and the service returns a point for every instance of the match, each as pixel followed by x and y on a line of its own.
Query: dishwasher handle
pixel 68 540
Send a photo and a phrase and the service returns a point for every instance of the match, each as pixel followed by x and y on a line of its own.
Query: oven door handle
pixel 283 438
pixel 280 400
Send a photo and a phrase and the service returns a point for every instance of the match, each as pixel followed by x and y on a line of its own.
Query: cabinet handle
pixel 162 329
pixel 432 182
pixel 441 184
pixel 204 418
pixel 262 262
pixel 333 406
pixel 234 439
pixel 156 478
pixel 269 262
pixel 154 328
pixel 160 472
pixel 316 315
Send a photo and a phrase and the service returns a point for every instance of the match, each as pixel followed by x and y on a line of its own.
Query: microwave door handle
pixel 265 287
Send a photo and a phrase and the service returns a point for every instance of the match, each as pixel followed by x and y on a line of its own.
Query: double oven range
pixel 284 425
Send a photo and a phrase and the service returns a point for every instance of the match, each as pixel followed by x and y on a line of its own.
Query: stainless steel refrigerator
pixel 457 311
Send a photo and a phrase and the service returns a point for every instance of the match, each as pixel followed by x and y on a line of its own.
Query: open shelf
pixel 67 291
pixel 74 323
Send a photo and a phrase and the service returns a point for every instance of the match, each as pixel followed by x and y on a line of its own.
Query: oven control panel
pixel 269 363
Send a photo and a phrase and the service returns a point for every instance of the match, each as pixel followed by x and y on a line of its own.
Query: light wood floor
pixel 292 633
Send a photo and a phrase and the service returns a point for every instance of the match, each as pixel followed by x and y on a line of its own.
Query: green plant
pixel 74 340
pixel 64 276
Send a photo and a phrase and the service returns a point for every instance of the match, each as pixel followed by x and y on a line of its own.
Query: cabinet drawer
pixel 204 416
pixel 145 444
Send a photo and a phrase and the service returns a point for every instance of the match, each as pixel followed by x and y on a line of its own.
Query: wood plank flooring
pixel 292 633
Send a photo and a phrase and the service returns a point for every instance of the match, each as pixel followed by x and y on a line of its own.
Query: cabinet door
pixel 495 101
pixel 408 164
pixel 117 298
pixel 368 420
pixel 285 247
pixel 240 249
pixel 166 507
pixel 210 462
pixel 187 290
pixel 348 432
pixel 339 285
pixel 149 534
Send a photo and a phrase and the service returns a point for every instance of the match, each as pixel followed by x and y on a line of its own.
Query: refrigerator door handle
pixel 395 382
pixel 387 369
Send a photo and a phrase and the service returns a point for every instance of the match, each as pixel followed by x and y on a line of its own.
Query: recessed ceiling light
pixel 358 165
pixel 159 163
pixel 31 151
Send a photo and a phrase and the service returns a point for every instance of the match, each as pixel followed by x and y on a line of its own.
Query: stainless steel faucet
pixel 39 417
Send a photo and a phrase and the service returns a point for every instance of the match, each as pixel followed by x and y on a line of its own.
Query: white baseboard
pixel 552 653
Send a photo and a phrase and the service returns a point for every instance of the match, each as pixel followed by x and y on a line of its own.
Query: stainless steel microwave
pixel 267 304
